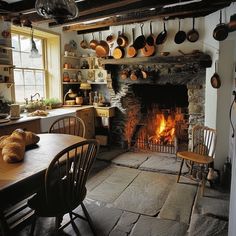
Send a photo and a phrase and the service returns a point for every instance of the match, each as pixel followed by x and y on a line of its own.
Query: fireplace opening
pixel 163 126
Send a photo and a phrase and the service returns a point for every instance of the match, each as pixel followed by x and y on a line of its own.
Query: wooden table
pixel 20 180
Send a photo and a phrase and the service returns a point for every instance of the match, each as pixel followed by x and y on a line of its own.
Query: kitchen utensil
pixel 140 41
pixel 193 34
pixel 93 43
pixel 221 31
pixel 102 49
pixel 122 39
pixel 150 40
pixel 161 38
pixel 84 43
pixel 148 50
pixel 215 80
pixel 131 51
pixel 180 35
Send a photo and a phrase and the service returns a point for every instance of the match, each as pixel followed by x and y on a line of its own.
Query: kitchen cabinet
pixel 87 115
pixel 103 117
pixel 26 124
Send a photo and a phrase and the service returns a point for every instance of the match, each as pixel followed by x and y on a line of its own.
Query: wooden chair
pixel 68 125
pixel 64 185
pixel 202 152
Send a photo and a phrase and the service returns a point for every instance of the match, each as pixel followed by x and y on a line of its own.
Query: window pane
pixel 20 93
pixel 29 90
pixel 18 77
pixel 39 77
pixel 26 60
pixel 15 42
pixel 37 63
pixel 29 77
pixel 16 59
pixel 40 90
pixel 25 43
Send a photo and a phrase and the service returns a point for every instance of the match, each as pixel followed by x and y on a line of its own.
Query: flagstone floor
pixel 136 194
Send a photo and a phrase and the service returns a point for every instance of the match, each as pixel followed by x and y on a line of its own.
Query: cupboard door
pixel 87 115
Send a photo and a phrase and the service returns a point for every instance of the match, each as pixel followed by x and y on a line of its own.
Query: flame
pixel 165 129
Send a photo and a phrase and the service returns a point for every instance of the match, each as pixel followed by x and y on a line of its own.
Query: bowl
pixel 72 95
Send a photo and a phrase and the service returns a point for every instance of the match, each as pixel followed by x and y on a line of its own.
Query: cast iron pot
pixel 221 31
pixel 161 38
pixel 193 34
pixel 140 41
pixel 180 36
pixel 150 39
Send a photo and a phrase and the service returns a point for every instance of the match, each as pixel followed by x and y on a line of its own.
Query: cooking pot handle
pixel 141 26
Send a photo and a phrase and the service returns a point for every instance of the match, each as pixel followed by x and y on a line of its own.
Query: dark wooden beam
pixel 144 15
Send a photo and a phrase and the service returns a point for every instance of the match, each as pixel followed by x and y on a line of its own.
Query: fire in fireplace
pixel 163 125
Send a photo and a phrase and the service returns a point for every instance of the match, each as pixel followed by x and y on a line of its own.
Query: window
pixel 29 73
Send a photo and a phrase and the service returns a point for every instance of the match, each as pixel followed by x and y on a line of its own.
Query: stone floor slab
pixel 97 178
pixel 162 162
pixel 113 185
pixel 152 226
pixel 206 226
pixel 146 194
pixel 179 203
pixel 125 224
pixel 212 206
pixel 131 159
pixel 109 154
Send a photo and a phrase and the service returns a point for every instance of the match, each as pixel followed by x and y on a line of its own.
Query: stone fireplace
pixel 175 93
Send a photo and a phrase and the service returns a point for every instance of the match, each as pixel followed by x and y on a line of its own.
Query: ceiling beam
pixel 144 15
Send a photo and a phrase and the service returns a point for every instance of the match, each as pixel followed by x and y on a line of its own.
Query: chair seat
pixel 192 156
pixel 57 205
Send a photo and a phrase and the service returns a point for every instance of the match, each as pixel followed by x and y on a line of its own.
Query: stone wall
pixel 128 107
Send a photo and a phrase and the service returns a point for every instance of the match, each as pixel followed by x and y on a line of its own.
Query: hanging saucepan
pixel 84 43
pixel 221 31
pixel 161 37
pixel 140 41
pixel 93 43
pixel 122 39
pixel 131 51
pixel 150 40
pixel 102 49
pixel 148 50
pixel 134 75
pixel 180 36
pixel 215 79
pixel 110 38
pixel 193 34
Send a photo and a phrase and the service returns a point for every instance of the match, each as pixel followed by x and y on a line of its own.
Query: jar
pixel 79 100
pixel 66 77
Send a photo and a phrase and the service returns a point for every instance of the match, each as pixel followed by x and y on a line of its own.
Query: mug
pixel 15 110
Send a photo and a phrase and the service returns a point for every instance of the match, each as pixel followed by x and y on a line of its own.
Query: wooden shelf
pixel 6 47
pixel 89 82
pixel 7 65
pixel 71 57
pixel 204 60
pixel 9 84
pixel 71 82
pixel 71 69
